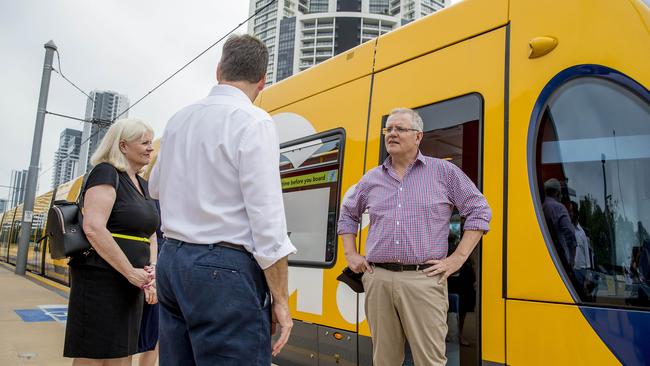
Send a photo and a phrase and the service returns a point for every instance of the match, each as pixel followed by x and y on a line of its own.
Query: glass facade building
pixel 102 110
pixel 303 33
pixel 66 157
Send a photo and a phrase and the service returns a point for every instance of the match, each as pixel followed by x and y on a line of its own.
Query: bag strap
pixel 82 191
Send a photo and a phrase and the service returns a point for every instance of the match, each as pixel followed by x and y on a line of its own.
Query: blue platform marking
pixel 33 315
pixel 59 313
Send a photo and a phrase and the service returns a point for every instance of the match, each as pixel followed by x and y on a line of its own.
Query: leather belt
pixel 232 246
pixel 399 267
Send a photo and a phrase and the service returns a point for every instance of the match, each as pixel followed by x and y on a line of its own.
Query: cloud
pixel 128 47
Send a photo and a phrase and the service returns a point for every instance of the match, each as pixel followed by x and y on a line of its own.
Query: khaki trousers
pixel 406 305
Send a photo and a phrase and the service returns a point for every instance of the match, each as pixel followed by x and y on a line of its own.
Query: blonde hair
pixel 109 151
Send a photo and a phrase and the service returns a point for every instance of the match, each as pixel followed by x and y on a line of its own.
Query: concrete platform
pixel 37 337
pixel 33 311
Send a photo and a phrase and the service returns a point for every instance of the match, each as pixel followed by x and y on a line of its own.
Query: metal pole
pixel 32 175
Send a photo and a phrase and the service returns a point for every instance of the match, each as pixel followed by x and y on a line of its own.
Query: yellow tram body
pixel 497 57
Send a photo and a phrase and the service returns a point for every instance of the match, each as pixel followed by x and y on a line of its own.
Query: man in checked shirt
pixel 410 199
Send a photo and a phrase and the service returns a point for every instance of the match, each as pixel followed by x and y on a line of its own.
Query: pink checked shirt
pixel 409 218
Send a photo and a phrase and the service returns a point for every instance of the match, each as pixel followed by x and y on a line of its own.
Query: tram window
pixel 5 228
pixel 310 169
pixel 593 182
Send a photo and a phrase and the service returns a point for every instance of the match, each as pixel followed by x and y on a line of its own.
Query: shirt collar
pixel 223 89
pixel 388 162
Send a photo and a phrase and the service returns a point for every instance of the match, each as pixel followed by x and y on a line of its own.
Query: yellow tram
pixel 517 93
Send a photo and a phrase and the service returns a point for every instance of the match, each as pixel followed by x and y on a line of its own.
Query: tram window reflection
pixel 593 179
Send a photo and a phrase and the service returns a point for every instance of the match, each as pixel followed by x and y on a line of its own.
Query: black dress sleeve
pixel 103 173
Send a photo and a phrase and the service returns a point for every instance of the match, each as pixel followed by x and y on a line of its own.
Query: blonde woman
pixel 109 285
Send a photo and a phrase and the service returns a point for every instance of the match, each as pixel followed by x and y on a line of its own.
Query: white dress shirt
pixel 583 254
pixel 217 176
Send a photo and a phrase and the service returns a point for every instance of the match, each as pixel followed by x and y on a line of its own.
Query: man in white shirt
pixel 218 182
pixel 582 263
pixel 583 249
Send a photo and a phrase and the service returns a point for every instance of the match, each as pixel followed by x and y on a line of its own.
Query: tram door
pixel 460 98
pixel 579 112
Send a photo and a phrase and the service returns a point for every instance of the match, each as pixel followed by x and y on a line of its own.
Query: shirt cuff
pixel 347 228
pixel 477 225
pixel 266 261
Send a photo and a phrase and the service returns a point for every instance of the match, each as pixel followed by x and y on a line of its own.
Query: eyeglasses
pixel 399 130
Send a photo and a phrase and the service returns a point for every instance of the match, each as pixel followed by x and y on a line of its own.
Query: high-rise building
pixel 18 186
pixel 104 107
pixel 303 33
pixel 4 205
pixel 66 157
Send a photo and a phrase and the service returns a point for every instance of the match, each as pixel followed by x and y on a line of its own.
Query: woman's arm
pixel 98 204
pixel 153 246
pixel 150 293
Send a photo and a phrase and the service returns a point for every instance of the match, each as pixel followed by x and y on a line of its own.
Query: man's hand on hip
pixel 281 317
pixel 358 263
pixel 446 267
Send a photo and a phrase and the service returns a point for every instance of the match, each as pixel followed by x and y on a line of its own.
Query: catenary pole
pixel 32 174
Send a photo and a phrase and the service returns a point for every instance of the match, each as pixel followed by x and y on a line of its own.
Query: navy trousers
pixel 214 306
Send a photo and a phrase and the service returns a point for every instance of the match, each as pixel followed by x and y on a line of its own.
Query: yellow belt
pixel 129 237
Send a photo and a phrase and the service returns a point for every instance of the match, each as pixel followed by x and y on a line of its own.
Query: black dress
pixel 104 308
pixel 149 325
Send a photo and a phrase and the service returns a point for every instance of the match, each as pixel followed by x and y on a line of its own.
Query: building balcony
pixel 371 28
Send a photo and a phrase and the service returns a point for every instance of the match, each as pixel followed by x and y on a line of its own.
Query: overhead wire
pixel 196 57
pixel 60 72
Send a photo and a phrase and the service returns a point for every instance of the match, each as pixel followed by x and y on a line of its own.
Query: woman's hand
pixel 151 269
pixel 139 277
pixel 150 295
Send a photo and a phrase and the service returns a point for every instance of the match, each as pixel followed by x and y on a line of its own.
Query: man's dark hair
pixel 244 58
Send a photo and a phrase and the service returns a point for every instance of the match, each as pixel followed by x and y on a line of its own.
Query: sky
pixel 124 46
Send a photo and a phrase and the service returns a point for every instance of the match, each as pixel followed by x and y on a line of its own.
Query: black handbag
pixel 64 227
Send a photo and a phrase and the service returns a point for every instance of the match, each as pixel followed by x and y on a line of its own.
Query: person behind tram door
pixel 464 285
pixel 410 199
pixel 559 224
pixel 582 263
pixel 226 242
pixel 643 265
pixel 120 221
